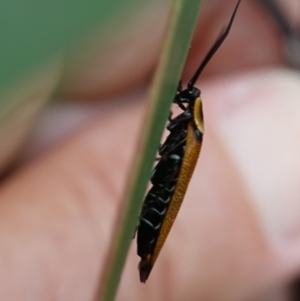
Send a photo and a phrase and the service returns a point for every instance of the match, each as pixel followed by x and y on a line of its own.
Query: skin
pixel 237 236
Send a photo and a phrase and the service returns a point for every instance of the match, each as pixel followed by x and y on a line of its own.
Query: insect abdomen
pixel 156 203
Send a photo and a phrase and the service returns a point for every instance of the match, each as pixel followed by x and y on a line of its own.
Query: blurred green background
pixel 32 32
pixel 44 45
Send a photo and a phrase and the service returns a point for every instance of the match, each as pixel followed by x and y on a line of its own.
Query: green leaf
pixel 182 21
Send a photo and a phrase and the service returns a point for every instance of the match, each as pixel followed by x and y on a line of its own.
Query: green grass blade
pixel 181 27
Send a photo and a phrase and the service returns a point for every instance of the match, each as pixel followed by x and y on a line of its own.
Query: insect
pixel 177 159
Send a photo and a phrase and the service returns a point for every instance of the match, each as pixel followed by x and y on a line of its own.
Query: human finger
pixel 237 234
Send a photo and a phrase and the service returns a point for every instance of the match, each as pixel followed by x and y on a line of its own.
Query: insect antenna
pixel 213 49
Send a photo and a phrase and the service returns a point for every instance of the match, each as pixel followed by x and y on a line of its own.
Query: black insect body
pixel 170 177
pixel 164 177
